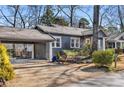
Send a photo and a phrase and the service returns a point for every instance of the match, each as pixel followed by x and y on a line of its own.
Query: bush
pixel 72 53
pixel 86 50
pixel 6 69
pixel 103 58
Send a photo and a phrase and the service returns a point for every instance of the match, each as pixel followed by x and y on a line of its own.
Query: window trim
pixel 75 38
pixel 55 45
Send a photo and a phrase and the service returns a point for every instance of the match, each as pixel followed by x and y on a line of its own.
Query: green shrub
pixel 103 58
pixel 86 50
pixel 72 53
pixel 6 69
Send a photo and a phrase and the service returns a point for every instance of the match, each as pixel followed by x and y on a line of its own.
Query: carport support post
pixel 115 45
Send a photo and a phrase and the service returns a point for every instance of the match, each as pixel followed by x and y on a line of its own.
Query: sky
pixel 78 13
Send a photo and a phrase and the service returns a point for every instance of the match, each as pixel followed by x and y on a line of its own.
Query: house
pixel 70 38
pixel 44 41
pixel 115 40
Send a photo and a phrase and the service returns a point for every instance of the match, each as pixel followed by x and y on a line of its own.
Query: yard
pixel 44 74
pixel 49 74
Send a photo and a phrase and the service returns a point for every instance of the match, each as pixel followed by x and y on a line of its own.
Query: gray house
pixel 70 38
pixel 44 41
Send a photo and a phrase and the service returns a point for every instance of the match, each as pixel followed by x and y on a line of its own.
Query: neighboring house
pixel 44 41
pixel 115 40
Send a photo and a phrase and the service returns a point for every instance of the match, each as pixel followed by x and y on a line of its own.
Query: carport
pixel 21 40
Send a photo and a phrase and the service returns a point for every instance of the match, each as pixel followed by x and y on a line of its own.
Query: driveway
pixel 44 74
pixel 107 80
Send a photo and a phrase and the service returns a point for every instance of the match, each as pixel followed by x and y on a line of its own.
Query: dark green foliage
pixel 103 58
pixel 83 22
pixel 60 21
pixel 86 50
pixel 48 16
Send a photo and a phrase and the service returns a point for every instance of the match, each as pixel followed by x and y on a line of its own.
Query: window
pixel 87 41
pixel 57 42
pixel 75 42
pixel 20 50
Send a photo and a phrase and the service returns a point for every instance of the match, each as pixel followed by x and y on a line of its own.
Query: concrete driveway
pixel 106 80
pixel 44 74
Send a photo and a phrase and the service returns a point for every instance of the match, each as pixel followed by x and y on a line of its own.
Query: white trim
pixel 32 51
pixel 115 45
pixel 50 51
pixel 74 38
pixel 103 43
pixel 55 46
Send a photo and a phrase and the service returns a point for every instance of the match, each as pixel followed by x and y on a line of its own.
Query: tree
pixel 95 27
pixel 48 16
pixel 121 19
pixel 85 11
pixel 83 22
pixel 14 10
pixel 60 21
pixel 71 12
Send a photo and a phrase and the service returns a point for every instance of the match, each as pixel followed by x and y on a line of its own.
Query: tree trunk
pixel 121 19
pixel 71 16
pixel 95 27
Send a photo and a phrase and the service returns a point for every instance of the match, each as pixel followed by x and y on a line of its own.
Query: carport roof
pixel 10 34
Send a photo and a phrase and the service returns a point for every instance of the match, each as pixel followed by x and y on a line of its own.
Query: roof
pixel 114 36
pixel 64 30
pixel 23 35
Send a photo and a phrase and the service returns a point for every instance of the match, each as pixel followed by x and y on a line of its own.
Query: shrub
pixel 103 58
pixel 86 50
pixel 6 69
pixel 72 53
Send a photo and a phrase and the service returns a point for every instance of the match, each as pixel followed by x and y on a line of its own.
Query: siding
pixel 40 51
pixel 65 44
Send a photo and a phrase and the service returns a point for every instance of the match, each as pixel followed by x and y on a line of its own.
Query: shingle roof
pixel 64 30
pixel 24 35
pixel 113 36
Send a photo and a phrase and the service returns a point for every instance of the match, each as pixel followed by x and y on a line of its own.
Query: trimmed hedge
pixel 6 69
pixel 103 58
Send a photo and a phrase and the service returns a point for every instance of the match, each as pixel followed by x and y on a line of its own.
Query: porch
pixel 116 44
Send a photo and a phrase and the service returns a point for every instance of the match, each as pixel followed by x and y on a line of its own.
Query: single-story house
pixel 70 38
pixel 115 40
pixel 43 42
